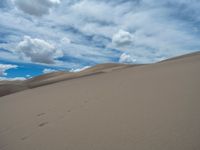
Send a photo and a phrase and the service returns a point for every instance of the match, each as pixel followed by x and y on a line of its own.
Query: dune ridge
pixel 9 87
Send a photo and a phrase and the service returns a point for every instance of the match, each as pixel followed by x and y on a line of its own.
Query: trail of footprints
pixel 42 124
pixel 41 114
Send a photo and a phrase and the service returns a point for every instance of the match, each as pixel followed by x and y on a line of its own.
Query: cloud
pixel 47 70
pixel 80 69
pixel 3 3
pixel 122 38
pixel 12 79
pixel 65 41
pixel 28 76
pixel 5 67
pixel 125 58
pixel 38 50
pixel 36 7
pixel 147 29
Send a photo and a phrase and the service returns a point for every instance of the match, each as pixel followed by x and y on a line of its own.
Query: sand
pixel 148 107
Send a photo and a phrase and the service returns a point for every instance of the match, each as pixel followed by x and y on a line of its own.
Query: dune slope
pixel 150 107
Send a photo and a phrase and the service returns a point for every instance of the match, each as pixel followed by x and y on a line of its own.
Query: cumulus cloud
pixel 36 7
pixel 5 67
pixel 38 50
pixel 125 58
pixel 122 38
pixel 47 70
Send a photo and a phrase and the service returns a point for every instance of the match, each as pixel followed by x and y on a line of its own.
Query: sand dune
pixel 9 87
pixel 148 107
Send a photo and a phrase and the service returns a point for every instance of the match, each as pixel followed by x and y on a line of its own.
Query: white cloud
pixel 152 29
pixel 92 10
pixel 79 69
pixel 65 41
pixel 125 58
pixel 38 50
pixel 12 79
pixel 122 38
pixel 5 67
pixel 47 70
pixel 28 76
pixel 36 7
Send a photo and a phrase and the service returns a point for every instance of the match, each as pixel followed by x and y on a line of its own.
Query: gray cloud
pixel 3 4
pixel 36 7
pixel 122 38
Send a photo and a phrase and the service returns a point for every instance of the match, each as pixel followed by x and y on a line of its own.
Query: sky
pixel 42 36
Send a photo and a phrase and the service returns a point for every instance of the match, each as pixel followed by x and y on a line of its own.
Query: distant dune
pixel 9 87
pixel 106 107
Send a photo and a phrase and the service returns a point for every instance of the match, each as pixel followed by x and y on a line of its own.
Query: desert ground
pixel 107 107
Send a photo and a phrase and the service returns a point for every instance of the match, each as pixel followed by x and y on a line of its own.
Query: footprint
pixel 3 146
pixel 43 124
pixel 86 101
pixel 69 111
pixel 41 114
pixel 24 138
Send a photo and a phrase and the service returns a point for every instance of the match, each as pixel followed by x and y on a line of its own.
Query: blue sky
pixel 40 36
